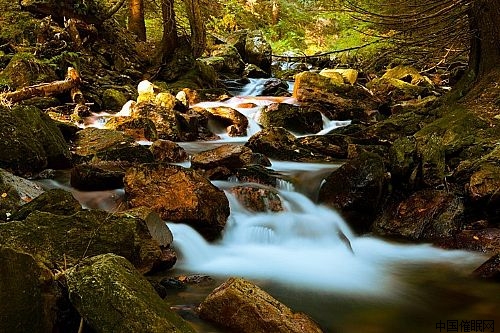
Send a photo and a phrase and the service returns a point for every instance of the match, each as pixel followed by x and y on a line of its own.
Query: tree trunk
pixel 136 23
pixel 169 39
pixel 197 24
pixel 485 43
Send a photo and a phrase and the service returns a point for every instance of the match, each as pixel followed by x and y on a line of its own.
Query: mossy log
pixel 44 89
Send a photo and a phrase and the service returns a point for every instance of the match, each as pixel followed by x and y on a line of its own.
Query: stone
pixel 23 287
pixel 98 175
pixel 275 87
pixel 485 240
pixel 236 123
pixel 233 63
pixel 109 145
pixel 258 51
pixel 243 307
pixel 168 151
pixel 113 99
pixel 403 161
pixel 293 118
pixel 332 145
pixel 157 227
pixel 426 215
pixel 55 201
pixel 356 189
pixel 490 269
pixel 140 128
pixel 15 192
pixel 258 199
pixel 24 70
pixel 60 241
pixel 164 119
pixel 30 141
pixel 229 156
pixel 178 195
pixel 277 143
pixel 113 297
pixel 349 75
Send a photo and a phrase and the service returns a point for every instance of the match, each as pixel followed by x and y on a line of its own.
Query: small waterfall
pixel 302 246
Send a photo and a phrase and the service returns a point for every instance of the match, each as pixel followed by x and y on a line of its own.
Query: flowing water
pixel 308 258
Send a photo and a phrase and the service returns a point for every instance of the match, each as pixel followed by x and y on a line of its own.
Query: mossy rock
pixel 60 240
pixel 31 141
pixel 113 297
pixel 233 63
pixel 300 120
pixel 113 99
pixel 17 26
pixel 24 70
pixel 403 160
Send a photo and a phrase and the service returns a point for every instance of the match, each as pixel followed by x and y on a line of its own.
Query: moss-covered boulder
pixel 113 297
pixel 24 70
pixel 258 51
pixel 164 118
pixel 427 215
pixel 233 63
pixel 356 189
pixel 54 201
pixel 332 145
pixel 349 75
pixel 294 118
pixel 403 164
pixel 60 240
pixel 109 145
pixel 140 128
pixel 30 141
pixel 98 175
pixel 113 99
pixel 243 307
pixel 26 305
pixel 277 143
pixel 178 195
pixel 15 192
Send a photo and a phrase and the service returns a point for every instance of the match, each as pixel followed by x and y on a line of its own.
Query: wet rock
pixel 258 199
pixel 235 121
pixel 243 307
pixel 60 241
pixel 338 100
pixel 293 118
pixel 164 119
pixel 186 196
pixel 275 87
pixel 348 75
pixel 257 174
pixel 253 71
pixel 229 156
pixel 484 240
pixel 54 201
pixel 403 162
pixel 138 128
pixel 278 143
pixel 98 175
pixel 30 141
pixel 356 189
pixel 26 305
pixel 484 184
pixel 258 50
pixel 157 228
pixel 113 99
pixel 109 145
pixel 401 83
pixel 333 145
pixel 217 63
pixel 24 69
pixel 112 296
pixel 427 215
pixel 233 63
pixel 168 151
pixel 489 269
pixel 15 192
pixel 194 125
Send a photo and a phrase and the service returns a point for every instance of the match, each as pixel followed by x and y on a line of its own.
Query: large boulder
pixel 168 151
pixel 356 189
pixel 140 128
pixel 293 118
pixel 427 215
pixel 233 63
pixel 178 195
pixel 236 123
pixel 243 307
pixel 227 156
pixel 277 143
pixel 23 283
pixel 164 119
pixel 30 141
pixel 341 101
pixel 98 175
pixel 25 70
pixel 15 192
pixel 258 198
pixel 59 240
pixel 111 296
pixel 109 145
pixel 333 145
pixel 258 51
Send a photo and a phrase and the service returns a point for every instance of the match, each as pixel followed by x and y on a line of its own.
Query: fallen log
pixel 44 89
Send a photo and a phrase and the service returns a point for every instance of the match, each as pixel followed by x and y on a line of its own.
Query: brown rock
pixel 244 307
pixel 258 199
pixel 489 269
pixel 168 151
pixel 229 156
pixel 139 128
pixel 236 122
pixel 484 240
pixel 425 215
pixel 178 195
